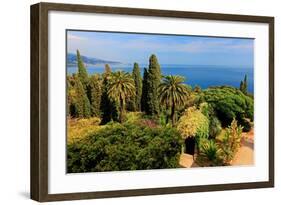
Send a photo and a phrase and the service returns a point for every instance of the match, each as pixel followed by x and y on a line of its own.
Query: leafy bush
pixel 147 123
pixel 231 141
pixel 229 103
pixel 164 118
pixel 132 117
pixel 215 127
pixel 220 153
pixel 125 147
pixel 210 153
pixel 214 123
pixel 80 128
pixel 193 124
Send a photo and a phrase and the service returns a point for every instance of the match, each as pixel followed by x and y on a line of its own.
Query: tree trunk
pixel 173 114
pixel 121 110
pixel 167 117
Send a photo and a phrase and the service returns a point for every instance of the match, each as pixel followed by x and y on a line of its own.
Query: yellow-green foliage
pixel 193 99
pixel 79 128
pixel 231 141
pixel 220 136
pixel 132 117
pixel 193 124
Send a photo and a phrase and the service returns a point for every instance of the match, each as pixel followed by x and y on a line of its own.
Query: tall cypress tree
pixel 69 91
pixel 82 72
pixel 241 88
pixel 108 107
pixel 244 85
pixel 153 81
pixel 80 106
pixel 95 93
pixel 138 85
pixel 107 69
pixel 144 103
pixel 131 104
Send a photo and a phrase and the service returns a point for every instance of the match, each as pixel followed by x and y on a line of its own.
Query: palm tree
pixel 120 88
pixel 173 93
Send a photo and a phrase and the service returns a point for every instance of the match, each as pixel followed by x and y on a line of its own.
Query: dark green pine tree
pixel 144 104
pixel 108 108
pixel 69 97
pixel 131 104
pixel 138 85
pixel 153 81
pixel 82 71
pixel 95 93
pixel 241 86
pixel 244 85
pixel 81 105
pixel 245 91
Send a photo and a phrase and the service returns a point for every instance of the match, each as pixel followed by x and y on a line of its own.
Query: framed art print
pixel 129 102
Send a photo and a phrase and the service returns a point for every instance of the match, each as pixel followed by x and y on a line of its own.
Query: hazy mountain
pixel 72 60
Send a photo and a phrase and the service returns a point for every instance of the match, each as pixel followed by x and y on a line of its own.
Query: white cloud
pixel 75 38
pixel 190 47
pixel 113 48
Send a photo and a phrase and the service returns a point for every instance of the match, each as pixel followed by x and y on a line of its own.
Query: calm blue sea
pixel 202 75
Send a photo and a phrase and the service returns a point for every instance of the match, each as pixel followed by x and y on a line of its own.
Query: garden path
pixel 186 161
pixel 245 155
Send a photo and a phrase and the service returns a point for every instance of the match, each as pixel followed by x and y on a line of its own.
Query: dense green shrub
pixel 214 123
pixel 194 98
pixel 229 103
pixel 214 127
pixel 125 147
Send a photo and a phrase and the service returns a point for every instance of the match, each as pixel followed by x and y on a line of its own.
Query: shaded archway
pixel 190 145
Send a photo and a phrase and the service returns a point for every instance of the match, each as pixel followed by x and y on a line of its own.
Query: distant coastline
pixel 89 61
pixel 203 75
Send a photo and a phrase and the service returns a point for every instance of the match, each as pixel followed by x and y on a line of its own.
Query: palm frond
pixel 172 90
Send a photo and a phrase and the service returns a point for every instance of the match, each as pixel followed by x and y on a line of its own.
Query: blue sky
pixel 169 49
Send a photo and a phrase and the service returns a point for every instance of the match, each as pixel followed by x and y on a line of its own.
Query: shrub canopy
pixel 230 103
pixel 125 147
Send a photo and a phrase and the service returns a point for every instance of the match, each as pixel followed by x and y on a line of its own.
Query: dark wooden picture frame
pixel 39 101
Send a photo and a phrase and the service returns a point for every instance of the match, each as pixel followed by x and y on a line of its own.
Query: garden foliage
pixel 125 147
pixel 144 138
pixel 229 103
